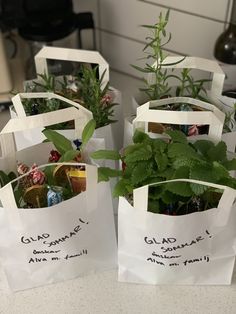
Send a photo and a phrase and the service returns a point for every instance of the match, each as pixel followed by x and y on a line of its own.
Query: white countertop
pixel 101 293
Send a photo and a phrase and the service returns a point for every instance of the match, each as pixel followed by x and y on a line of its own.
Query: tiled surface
pixel 194 25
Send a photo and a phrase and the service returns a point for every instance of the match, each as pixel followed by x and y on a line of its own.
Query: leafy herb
pixel 85 88
pixel 157 67
pixel 151 160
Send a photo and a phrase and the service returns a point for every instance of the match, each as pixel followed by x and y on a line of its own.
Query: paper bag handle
pixel 68 54
pixel 214 117
pixel 140 195
pixel 37 121
pixel 203 64
pixel 20 111
pixel 7 196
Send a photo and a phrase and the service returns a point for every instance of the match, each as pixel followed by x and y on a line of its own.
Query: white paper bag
pixel 228 106
pixel 206 65
pixel 28 138
pixel 45 245
pixel 113 133
pixel 192 249
pixel 209 115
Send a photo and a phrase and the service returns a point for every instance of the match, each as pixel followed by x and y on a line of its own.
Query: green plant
pixel 66 152
pixel 157 67
pixel 151 160
pixel 189 87
pixel 85 88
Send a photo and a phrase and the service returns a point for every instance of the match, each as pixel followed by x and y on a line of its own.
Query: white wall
pixel 194 25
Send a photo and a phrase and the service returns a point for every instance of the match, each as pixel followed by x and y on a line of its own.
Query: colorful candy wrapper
pixel 24 182
pixel 54 156
pixel 77 179
pixel 54 195
pixel 37 176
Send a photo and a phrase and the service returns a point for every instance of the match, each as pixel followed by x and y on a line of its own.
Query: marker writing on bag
pixel 33 239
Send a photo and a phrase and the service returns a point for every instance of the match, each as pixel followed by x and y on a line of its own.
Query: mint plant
pixel 151 160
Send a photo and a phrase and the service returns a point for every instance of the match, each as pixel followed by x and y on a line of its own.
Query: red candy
pixel 54 156
pixel 37 176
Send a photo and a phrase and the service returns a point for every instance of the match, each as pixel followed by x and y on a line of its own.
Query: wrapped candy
pixel 22 169
pixel 54 195
pixel 54 156
pixel 37 176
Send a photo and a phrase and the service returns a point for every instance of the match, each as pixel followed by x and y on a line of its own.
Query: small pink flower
pixel 106 100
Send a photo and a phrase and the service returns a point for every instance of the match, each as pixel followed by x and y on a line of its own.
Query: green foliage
pixel 89 92
pixel 61 143
pixel 93 96
pixel 105 173
pixel 154 51
pixel 151 160
pixel 88 132
pixel 64 145
pixel 106 154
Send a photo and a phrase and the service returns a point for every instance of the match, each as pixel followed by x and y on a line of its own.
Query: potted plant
pixel 163 79
pixel 88 86
pixel 84 87
pixel 52 184
pixel 151 160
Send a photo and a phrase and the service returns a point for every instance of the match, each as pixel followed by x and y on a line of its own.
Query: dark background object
pixel 44 20
pixel 225 47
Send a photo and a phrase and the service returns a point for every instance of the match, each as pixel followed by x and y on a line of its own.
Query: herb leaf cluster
pixel 152 160
pixel 154 50
pixel 85 88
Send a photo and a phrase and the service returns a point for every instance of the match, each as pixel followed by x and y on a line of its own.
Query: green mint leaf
pixel 230 164
pixel 218 152
pixel 105 154
pixel 120 189
pixel 203 172
pixel 183 162
pixel 142 153
pixel 61 143
pixel 198 189
pixel 177 136
pixel 169 197
pixel 141 172
pixel 220 171
pixel 180 149
pixel 140 137
pixel 203 146
pixel 159 145
pixel 161 161
pixel 181 173
pixel 180 188
pixel 167 173
pixel 132 148
pixel 104 173
pixel 88 132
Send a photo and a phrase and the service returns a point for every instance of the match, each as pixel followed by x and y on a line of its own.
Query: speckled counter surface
pixel 101 293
